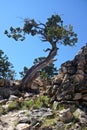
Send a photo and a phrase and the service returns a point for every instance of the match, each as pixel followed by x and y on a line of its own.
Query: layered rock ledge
pixel 71 82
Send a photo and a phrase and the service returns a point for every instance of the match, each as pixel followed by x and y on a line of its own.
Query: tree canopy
pixel 6 67
pixel 52 31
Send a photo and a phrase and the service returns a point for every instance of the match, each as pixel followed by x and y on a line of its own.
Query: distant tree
pixel 48 71
pixel 23 73
pixel 53 31
pixel 6 67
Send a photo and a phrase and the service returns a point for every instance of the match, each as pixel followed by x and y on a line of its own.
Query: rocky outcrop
pixel 68 92
pixel 71 82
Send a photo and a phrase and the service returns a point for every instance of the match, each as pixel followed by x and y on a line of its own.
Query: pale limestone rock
pixel 12 98
pixel 77 96
pixel 22 126
pixel 81 115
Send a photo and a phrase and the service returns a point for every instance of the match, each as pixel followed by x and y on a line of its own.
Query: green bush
pixel 28 104
pixel 41 101
pixel 38 102
pixel 1 111
pixel 13 105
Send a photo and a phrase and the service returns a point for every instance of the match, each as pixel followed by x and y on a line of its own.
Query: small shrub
pixel 38 104
pixel 41 101
pixel 85 128
pixel 28 104
pixel 13 105
pixel 48 122
pixel 61 107
pixel 1 111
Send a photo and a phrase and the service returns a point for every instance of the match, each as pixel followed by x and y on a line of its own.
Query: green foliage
pixel 38 102
pixel 23 73
pixel 13 105
pixel 1 111
pixel 60 107
pixel 49 122
pixel 6 68
pixel 48 71
pixel 52 31
pixel 28 104
pixel 85 128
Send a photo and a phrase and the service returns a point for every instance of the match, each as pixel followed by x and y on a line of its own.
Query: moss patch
pixel 49 122
pixel 1 111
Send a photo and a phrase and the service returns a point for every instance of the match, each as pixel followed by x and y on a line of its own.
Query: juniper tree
pixel 52 31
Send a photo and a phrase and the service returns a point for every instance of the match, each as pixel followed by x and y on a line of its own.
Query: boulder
pixel 77 96
pixel 65 115
pixel 22 126
pixel 81 115
pixel 13 98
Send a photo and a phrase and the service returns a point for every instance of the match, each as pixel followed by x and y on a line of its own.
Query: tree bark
pixel 34 71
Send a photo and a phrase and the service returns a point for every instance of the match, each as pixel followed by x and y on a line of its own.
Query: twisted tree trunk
pixel 33 72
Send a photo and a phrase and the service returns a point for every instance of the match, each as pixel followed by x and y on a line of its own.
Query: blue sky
pixel 12 13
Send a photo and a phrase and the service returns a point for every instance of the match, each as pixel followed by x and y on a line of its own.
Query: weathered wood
pixel 33 72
